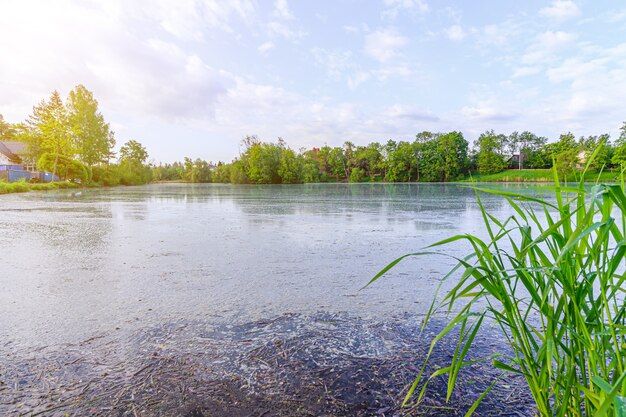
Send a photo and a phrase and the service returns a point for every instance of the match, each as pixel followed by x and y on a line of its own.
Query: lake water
pixel 74 265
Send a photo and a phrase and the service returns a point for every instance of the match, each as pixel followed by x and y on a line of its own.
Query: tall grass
pixel 23 186
pixel 551 277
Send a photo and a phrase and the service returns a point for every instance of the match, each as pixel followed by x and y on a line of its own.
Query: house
pixel 11 152
pixel 513 162
pixel 14 167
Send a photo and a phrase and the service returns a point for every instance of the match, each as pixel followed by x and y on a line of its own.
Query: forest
pixel 431 157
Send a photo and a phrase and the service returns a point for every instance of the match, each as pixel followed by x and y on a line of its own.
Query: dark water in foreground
pixel 78 265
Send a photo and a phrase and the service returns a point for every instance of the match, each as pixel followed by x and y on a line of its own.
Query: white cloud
pixel 358 79
pixel 398 71
pixel 525 71
pixel 455 33
pixel 264 48
pixel 284 31
pixel 335 62
pixel 500 34
pixel 395 7
pixel 561 10
pixel 281 10
pixel 399 111
pixel 383 44
pixel 189 19
pixel 547 46
pixel 133 73
pixel 486 113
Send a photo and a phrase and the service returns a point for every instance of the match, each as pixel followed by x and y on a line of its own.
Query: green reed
pixel 551 277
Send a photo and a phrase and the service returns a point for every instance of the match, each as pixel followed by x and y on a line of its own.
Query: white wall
pixel 4 160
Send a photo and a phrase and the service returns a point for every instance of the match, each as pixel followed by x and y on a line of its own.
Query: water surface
pixel 78 264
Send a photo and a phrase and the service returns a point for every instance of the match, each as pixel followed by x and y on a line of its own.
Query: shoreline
pixel 290 365
pixel 534 176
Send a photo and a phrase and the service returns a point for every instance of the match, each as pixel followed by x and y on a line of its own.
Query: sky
pixel 193 77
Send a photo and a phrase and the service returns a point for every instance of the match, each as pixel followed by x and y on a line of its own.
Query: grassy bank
pixel 22 187
pixel 543 175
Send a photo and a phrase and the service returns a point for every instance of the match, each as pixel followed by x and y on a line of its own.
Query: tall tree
pixel 133 155
pixel 490 158
pixel 51 120
pixel 524 144
pixel 619 157
pixel 92 138
pixel 7 131
pixel 452 147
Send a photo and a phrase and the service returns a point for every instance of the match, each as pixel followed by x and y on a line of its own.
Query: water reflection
pixel 128 257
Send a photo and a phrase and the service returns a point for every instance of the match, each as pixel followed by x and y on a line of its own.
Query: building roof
pixel 13 150
pixel 17 148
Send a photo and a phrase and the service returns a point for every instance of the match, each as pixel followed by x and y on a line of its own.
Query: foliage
pixel 73 141
pixel 7 130
pixel 490 158
pixel 66 168
pixel 545 175
pixel 551 278
pixel 92 138
pixel 22 186
pixel 525 144
pixel 357 175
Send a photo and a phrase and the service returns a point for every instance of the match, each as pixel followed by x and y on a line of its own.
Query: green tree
pixel 565 154
pixel 310 168
pixel 619 156
pixel 53 126
pixel 64 166
pixel 452 147
pixel 419 146
pixel 490 159
pixel 264 162
pixel 290 167
pixel 369 157
pixel 133 156
pixel 92 138
pixel 337 162
pixel 7 131
pixel 525 144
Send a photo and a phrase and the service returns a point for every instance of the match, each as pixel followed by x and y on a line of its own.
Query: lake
pixel 76 265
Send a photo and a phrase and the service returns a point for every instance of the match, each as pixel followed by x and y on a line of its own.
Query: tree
pixel 51 120
pixel 92 138
pixel 490 159
pixel 371 158
pixel 619 157
pixel 66 167
pixel 525 144
pixel 7 131
pixel 565 154
pixel 133 155
pixel 419 146
pixel 264 162
pixel 452 147
pixel 337 162
pixel 290 167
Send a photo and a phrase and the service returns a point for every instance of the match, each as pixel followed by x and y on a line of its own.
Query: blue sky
pixel 192 77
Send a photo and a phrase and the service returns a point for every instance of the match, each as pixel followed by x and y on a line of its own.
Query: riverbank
pixel 291 365
pixel 23 187
pixel 543 175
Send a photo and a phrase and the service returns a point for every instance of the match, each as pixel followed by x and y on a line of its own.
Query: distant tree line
pixel 72 140
pixel 431 157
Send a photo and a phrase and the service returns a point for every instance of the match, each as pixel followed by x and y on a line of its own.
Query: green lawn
pixel 542 175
